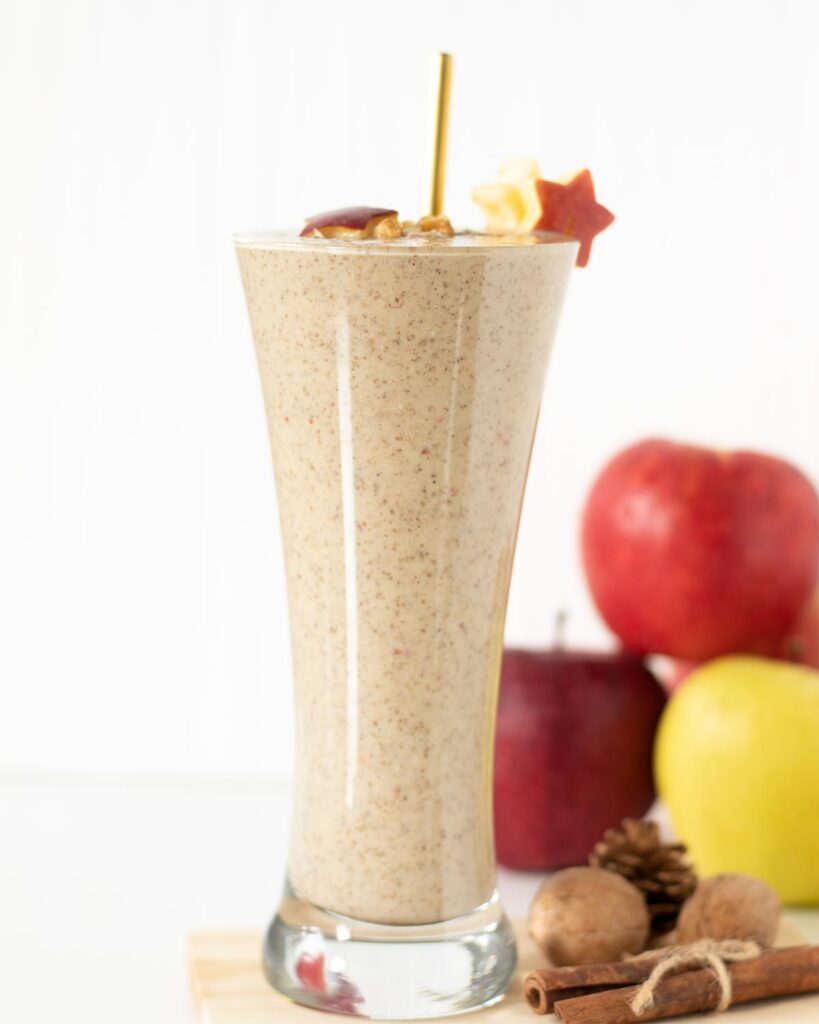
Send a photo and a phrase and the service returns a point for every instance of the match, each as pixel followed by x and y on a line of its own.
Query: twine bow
pixel 705 953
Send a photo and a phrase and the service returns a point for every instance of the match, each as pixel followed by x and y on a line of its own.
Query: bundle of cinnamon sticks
pixel 603 993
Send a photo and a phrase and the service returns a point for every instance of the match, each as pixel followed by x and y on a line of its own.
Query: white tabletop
pixel 102 880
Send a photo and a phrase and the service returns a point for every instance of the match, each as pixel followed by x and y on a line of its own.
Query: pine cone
pixel 660 870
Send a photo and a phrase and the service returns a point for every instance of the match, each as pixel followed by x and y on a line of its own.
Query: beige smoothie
pixel 402 382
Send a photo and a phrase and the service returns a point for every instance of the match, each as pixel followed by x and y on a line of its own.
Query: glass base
pixel 390 972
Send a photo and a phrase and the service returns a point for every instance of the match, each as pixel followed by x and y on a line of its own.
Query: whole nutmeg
pixel 588 915
pixel 730 907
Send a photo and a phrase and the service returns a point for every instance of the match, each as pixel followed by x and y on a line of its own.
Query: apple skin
pixel 694 553
pixel 737 764
pixel 801 647
pixel 572 752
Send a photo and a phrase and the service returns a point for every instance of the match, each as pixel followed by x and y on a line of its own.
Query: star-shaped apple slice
pixel 571 209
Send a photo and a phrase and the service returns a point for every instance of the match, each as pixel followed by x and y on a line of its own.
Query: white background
pixel 142 608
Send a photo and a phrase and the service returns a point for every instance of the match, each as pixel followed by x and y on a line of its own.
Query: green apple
pixel 737 762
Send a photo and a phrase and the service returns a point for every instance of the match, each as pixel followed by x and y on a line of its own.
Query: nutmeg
pixel 730 906
pixel 588 915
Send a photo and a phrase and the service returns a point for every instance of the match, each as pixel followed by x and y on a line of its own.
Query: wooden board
pixel 229 987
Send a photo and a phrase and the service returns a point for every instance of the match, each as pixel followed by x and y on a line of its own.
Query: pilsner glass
pixel 402 382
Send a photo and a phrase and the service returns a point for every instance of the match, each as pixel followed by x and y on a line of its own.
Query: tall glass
pixel 402 382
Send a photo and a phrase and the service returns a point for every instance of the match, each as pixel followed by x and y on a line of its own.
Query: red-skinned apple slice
pixel 348 219
pixel 572 209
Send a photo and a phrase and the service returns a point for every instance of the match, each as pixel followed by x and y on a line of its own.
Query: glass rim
pixel 463 243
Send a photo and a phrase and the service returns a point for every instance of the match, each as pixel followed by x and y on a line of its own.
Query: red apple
pixel 696 553
pixel 801 647
pixel 573 752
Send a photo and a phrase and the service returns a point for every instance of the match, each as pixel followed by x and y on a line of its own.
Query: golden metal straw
pixel 442 83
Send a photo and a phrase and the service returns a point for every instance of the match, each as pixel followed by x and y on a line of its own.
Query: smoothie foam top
pixel 463 243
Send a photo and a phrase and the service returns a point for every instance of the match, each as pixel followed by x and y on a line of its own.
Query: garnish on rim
pixel 372 222
pixel 522 201
pixel 354 222
pixel 431 224
pixel 511 205
pixel 573 210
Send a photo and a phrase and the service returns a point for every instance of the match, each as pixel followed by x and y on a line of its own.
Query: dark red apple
pixel 573 752
pixel 694 553
pixel 356 218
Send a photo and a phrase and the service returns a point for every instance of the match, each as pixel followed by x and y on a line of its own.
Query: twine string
pixel 705 953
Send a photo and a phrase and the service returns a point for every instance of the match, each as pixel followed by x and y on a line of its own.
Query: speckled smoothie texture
pixel 402 383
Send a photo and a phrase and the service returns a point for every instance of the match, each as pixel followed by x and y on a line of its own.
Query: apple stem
pixel 561 618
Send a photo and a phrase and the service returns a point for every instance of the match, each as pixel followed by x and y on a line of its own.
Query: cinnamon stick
pixel 776 972
pixel 543 988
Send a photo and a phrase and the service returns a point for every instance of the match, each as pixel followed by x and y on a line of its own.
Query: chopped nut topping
pixel 439 224
pixel 428 225
pixel 384 227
